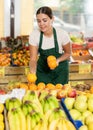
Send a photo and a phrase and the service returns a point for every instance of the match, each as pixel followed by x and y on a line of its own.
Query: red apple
pixel 61 94
pixel 2 91
pixel 72 93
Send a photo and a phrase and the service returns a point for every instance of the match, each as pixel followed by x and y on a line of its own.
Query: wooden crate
pixel 19 74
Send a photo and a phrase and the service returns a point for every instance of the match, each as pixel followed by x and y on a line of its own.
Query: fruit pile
pixel 81 108
pixel 5 59
pixel 36 112
pixel 21 57
pixel 1 116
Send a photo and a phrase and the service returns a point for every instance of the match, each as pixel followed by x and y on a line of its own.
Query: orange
pixel 50 58
pixel 23 85
pixel 32 86
pixel 58 86
pixel 50 86
pixel 31 77
pixel 41 85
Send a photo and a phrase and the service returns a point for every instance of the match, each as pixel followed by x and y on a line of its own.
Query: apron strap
pixel 40 41
pixel 55 40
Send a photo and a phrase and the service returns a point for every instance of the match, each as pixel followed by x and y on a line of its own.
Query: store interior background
pixel 76 12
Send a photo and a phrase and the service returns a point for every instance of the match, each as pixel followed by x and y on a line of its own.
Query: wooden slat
pixel 7 79
pixel 77 76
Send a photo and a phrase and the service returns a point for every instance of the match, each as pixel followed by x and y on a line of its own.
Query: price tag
pixel 27 70
pixel 2 72
pixel 84 68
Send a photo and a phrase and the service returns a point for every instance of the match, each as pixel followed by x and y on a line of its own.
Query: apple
pixel 86 113
pixel 75 114
pixel 80 105
pixel 61 94
pixel 81 97
pixel 72 93
pixel 89 119
pixel 90 104
pixel 2 92
pixel 69 102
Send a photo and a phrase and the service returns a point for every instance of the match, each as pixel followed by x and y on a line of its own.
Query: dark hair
pixel 45 10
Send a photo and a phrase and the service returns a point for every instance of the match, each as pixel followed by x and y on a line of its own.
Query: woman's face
pixel 44 22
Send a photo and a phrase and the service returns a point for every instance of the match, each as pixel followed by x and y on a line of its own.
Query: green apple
pixel 69 102
pixel 86 113
pixel 81 98
pixel 75 114
pixel 89 119
pixel 80 105
pixel 90 104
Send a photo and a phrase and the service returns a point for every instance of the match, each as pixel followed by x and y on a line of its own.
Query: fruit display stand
pixel 81 73
pixel 10 74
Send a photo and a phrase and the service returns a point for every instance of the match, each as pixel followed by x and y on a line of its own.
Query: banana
pixel 17 121
pixel 54 100
pixel 28 122
pixel 33 122
pixel 44 125
pixel 11 120
pixel 70 125
pixel 22 119
pixel 7 103
pixel 26 96
pixel 46 106
pixel 61 125
pixel 17 103
pixel 11 106
pixel 53 124
pixel 25 109
pixel 37 127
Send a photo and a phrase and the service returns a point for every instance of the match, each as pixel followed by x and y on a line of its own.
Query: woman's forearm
pixel 33 66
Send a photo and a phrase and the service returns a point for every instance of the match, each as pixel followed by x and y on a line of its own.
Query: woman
pixel 46 41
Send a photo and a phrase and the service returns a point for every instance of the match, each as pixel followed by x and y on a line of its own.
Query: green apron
pixel 44 74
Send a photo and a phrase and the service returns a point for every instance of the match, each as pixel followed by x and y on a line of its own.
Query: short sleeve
pixel 34 38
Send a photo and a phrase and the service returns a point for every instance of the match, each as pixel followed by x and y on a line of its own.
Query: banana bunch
pixel 64 124
pixel 16 119
pixel 54 117
pixel 57 120
pixel 49 102
pixel 13 102
pixel 35 121
pixel 32 96
pixel 29 106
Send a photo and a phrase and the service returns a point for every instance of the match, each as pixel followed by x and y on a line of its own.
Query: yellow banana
pixel 7 103
pixel 38 126
pixel 53 124
pixel 28 122
pixel 62 125
pixel 22 119
pixel 11 105
pixel 44 125
pixel 17 121
pixel 17 103
pixel 70 125
pixel 11 120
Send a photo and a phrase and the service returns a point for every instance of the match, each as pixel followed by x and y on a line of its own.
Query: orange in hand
pixel 31 78
pixel 52 63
